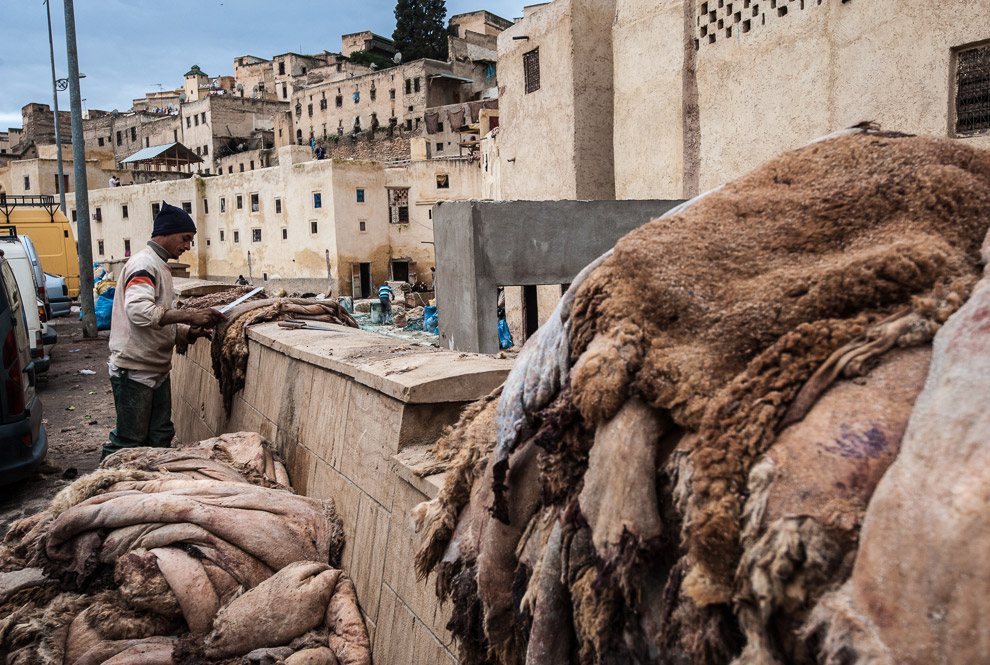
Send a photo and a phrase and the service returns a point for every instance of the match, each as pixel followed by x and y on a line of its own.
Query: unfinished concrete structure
pixel 484 245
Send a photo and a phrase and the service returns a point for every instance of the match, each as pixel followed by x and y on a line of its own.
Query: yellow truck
pixel 40 218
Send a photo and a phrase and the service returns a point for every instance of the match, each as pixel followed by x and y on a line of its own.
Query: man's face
pixel 177 243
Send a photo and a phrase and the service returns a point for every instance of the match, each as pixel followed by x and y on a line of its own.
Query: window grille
pixel 531 70
pixel 972 101
pixel 398 203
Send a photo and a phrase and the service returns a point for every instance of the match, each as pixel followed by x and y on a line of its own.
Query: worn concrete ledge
pixel 410 373
pixel 352 414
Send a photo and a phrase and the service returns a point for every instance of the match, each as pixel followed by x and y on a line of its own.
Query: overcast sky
pixel 127 47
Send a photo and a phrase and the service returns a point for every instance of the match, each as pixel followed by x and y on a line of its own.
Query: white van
pixel 38 330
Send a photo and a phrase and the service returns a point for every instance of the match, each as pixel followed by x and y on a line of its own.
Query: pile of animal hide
pixel 220 298
pixel 180 556
pixel 683 464
pixel 229 350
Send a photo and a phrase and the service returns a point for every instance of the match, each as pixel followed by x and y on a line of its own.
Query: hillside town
pixel 610 331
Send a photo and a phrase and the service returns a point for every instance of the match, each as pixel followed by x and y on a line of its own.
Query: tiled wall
pixel 338 437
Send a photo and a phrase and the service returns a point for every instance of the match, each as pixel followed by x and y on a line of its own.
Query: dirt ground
pixel 78 414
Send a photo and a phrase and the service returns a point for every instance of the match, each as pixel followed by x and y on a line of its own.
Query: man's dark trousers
pixel 144 415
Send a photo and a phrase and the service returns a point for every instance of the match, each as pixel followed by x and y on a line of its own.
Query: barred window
pixel 531 70
pixel 972 102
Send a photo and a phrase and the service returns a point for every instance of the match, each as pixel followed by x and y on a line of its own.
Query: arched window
pixel 299 136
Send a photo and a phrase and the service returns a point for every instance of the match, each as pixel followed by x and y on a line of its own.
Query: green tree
pixel 419 29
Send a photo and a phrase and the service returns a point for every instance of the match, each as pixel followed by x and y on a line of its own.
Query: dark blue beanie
pixel 171 220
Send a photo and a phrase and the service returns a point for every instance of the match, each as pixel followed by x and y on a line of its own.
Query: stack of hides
pixel 171 556
pixel 735 441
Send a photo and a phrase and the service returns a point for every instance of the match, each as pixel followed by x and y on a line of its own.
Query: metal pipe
pixel 58 136
pixel 85 240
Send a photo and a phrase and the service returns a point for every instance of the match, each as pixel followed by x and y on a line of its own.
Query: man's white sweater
pixel 144 293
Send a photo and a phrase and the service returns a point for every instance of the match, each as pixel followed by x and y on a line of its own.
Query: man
pixel 385 295
pixel 321 152
pixel 241 281
pixel 144 330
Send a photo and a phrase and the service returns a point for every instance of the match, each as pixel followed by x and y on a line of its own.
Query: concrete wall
pixel 351 413
pixel 481 246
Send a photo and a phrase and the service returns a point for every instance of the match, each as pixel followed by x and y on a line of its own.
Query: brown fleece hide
pixel 348 638
pixel 921 581
pixel 807 499
pixel 229 349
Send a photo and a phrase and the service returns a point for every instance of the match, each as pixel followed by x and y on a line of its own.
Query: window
pixel 339 101
pixel 206 207
pixel 207 242
pixel 241 171
pixel 416 84
pixel 99 142
pixel 278 206
pixel 285 91
pixel 240 200
pixel 123 211
pixel 134 133
pixel 98 215
pixel 303 70
pixel 155 209
pixel 203 114
pixel 188 121
pixel 443 181
pixel 223 204
pixel 312 227
pixel 237 236
pixel 206 149
pixel 360 195
pixel 119 140
pixel 373 94
pixel 230 169
pixel 285 233
pixel 127 247
pixel 531 70
pixel 255 235
pixel 27 183
pixel 357 97
pixel 252 164
pixel 255 203
pixel 323 105
pixel 409 125
pixel 281 67
pixel 362 226
pixel 64 186
pixel 147 142
pixel 317 200
pixel 398 204
pixel 222 236
pixel 73 214
pixel 391 93
pixel 196 120
pixel 99 247
pixel 439 147
pixel 309 108
pixel 408 86
pixel 972 94
pixel 187 206
pixel 199 151
pixel 175 135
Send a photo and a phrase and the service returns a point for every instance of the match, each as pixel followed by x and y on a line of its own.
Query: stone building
pixel 37 129
pixel 368 42
pixel 374 223
pixel 480 22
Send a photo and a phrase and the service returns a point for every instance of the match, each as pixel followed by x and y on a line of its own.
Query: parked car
pixel 39 273
pixel 20 265
pixel 58 294
pixel 23 440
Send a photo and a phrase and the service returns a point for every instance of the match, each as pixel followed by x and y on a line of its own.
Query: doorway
pixel 361 280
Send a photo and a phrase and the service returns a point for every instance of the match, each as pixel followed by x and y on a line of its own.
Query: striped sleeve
pixel 139 299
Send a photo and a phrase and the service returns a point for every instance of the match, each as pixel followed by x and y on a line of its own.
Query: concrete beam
pixel 483 245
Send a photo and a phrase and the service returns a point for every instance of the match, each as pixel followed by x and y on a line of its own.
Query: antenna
pixel 397 58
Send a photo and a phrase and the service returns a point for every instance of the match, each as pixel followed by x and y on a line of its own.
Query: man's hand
pixel 205 317
pixel 196 332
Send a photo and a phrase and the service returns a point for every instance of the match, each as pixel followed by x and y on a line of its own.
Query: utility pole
pixel 85 241
pixel 58 136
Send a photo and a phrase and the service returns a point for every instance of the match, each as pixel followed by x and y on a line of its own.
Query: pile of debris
pixel 189 555
pixel 685 463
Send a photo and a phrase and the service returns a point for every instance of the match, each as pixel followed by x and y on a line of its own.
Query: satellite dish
pixel 397 58
pixel 374 66
pixel 239 87
pixel 182 97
